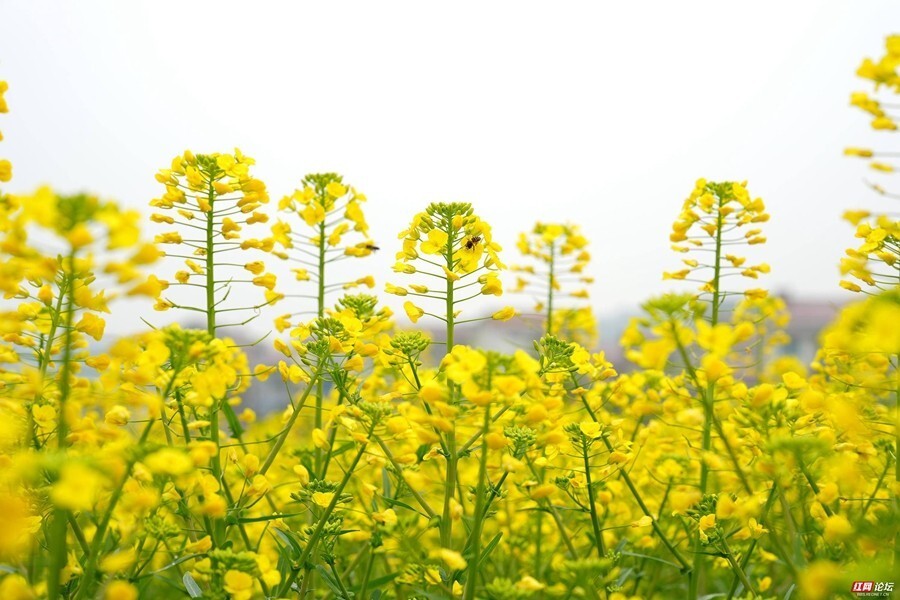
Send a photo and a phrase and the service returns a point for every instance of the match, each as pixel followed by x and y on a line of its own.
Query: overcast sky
pixel 599 113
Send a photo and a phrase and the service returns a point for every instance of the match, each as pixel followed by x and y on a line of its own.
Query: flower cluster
pixel 213 198
pixel 331 210
pixel 5 165
pixel 715 218
pixel 454 248
pixel 558 259
pixel 709 464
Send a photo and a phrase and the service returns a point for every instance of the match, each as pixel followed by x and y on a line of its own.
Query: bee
pixel 372 247
pixel 472 242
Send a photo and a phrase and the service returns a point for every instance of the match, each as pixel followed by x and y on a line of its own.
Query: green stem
pixel 550 282
pixel 567 541
pixel 97 542
pixel 320 312
pixel 446 528
pixel 746 558
pixel 729 555
pixel 480 510
pixel 595 520
pixel 696 585
pixel 219 525
pixel 450 486
pixel 685 566
pixel 896 506
pixel 210 263
pixel 337 578
pixel 46 350
pixel 66 372
pixel 416 493
pixel 317 533
pixel 492 493
pixel 812 483
pixel 270 458
pixel 367 574
pixel 59 529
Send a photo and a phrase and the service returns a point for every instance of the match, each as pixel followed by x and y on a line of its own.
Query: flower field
pixel 401 464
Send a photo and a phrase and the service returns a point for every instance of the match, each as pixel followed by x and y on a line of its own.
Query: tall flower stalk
pixel 328 211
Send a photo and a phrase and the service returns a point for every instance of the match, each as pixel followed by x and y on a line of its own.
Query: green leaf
pixel 268 517
pixel 392 502
pixel 489 548
pixel 177 561
pixel 330 580
pixel 233 421
pixel 377 582
pixel 288 538
pixel 191 586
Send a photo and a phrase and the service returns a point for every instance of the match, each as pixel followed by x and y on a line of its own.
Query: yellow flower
pixel 387 518
pixel 214 506
pixel 618 458
pixel 118 415
pixel 462 363
pixel 44 415
pixel 302 474
pixel 323 499
pixel 849 285
pixel 169 461
pixel 529 584
pixel 451 558
pixel 504 314
pixel 267 281
pixel 239 585
pixel 591 429
pixel 5 170
pixel 200 546
pixel 860 152
pixel 491 285
pixel 837 528
pixel 320 440
pixel 335 189
pixel 707 522
pixel 77 487
pixel 14 586
pixel 435 243
pixel 151 288
pixel 395 290
pixel 645 521
pixel 118 562
pixel 793 381
pixel 543 491
pixel 92 325
pixel 714 367
pixel 756 529
pixel 412 311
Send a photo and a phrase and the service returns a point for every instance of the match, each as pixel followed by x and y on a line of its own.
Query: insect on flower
pixel 472 242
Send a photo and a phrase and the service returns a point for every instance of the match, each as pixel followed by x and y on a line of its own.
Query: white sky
pixel 600 113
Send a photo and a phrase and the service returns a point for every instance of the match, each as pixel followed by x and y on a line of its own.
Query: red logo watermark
pixel 872 589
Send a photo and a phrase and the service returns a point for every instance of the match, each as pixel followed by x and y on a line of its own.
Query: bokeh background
pixel 602 114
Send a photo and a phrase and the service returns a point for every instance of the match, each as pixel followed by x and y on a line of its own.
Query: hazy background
pixel 603 114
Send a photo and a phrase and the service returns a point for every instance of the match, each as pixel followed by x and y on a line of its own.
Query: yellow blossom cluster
pixel 450 245
pixel 558 258
pixel 330 210
pixel 716 218
pixel 212 199
pixel 152 465
pixel 5 165
pixel 874 264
